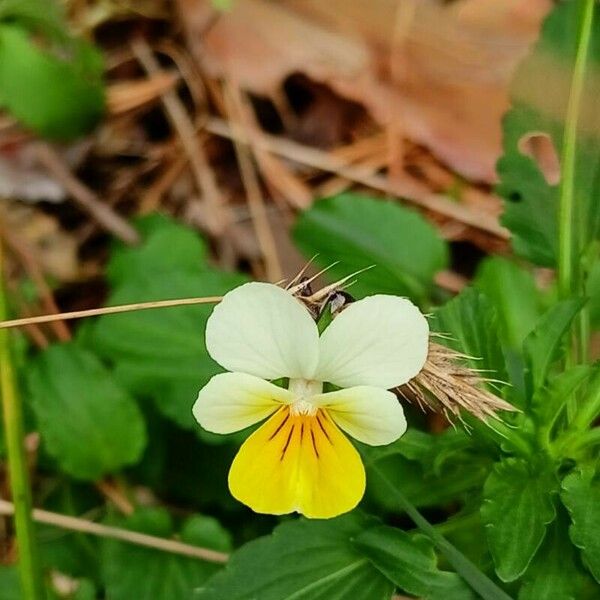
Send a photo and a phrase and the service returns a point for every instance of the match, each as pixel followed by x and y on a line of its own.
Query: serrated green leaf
pixel 161 354
pixel 581 495
pixel 404 250
pixel 471 324
pixel 512 291
pixel 548 402
pixel 553 573
pixel 302 560
pixel 542 346
pixel 166 246
pixel 88 423
pixel 410 562
pixel 517 508
pixel 131 571
pixel 58 96
pixel 532 199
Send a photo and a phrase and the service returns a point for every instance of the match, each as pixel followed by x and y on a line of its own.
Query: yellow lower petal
pixel 298 463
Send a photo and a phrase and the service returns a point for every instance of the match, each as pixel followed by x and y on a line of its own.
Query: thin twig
pixel 205 179
pixel 86 199
pixel 256 204
pixel 20 247
pixel 116 496
pixel 405 188
pixel 117 533
pixel 108 310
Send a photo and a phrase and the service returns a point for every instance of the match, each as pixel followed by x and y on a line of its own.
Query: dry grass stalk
pixel 107 310
pixel 117 533
pixel 216 214
pixel 256 204
pixel 84 196
pixel 408 188
pixel 447 385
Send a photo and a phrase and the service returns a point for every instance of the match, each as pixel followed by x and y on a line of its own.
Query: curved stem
pixel 478 580
pixel 31 582
pixel 568 277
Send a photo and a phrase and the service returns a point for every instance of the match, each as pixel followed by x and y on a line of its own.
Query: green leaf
pixel 516 510
pixel 426 487
pixel 38 16
pixel 410 562
pixel 132 571
pixel 531 198
pixel 581 495
pixel 593 293
pixel 207 531
pixel 478 580
pixel 166 246
pixel 543 345
pixel 430 469
pixel 512 291
pixel 549 401
pixel 161 353
pixel 553 572
pixel 471 323
pixel 10 584
pixel 58 95
pixel 89 424
pixel 404 250
pixel 302 560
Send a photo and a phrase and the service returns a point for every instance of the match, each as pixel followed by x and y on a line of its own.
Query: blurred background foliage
pixel 153 150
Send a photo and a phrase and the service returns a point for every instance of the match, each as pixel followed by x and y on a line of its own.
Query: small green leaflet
pixel 57 97
pixel 549 401
pixel 553 572
pixel 581 495
pixel 133 572
pixel 160 354
pixel 512 291
pixel 88 423
pixel 358 232
pixel 543 345
pixel 167 246
pixel 516 510
pixel 471 325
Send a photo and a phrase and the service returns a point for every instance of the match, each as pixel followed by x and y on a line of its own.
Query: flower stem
pixel 568 272
pixel 31 582
pixel 478 580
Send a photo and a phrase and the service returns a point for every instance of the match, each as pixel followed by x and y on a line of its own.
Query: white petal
pixel 380 341
pixel 370 415
pixel 233 401
pixel 260 329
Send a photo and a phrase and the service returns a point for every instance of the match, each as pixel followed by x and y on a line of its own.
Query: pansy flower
pixel 300 459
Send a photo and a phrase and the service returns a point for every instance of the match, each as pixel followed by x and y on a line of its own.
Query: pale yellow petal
pixel 260 329
pixel 233 401
pixel 370 415
pixel 379 341
pixel 298 463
